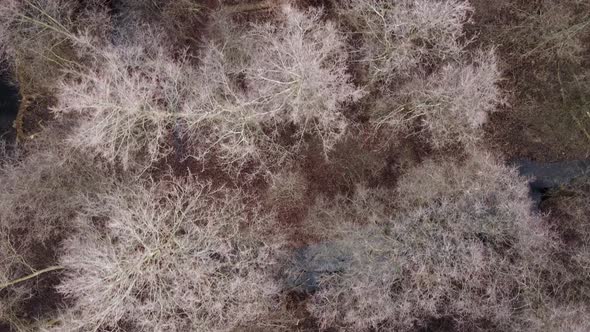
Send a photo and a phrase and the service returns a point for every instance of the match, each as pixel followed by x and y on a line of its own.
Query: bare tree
pixel 171 256
pixel 453 240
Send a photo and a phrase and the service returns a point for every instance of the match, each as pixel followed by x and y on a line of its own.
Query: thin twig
pixel 31 276
pixel 250 7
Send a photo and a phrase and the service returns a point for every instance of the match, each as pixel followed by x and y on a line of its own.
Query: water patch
pixel 9 103
pixel 547 176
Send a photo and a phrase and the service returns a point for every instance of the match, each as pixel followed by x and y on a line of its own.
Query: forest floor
pixel 546 118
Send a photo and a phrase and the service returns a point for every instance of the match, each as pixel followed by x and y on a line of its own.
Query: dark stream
pixel 547 176
pixel 9 102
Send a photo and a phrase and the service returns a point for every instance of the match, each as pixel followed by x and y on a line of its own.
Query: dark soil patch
pixel 182 162
pixel 328 6
pixel 347 165
pixel 34 115
pixel 450 324
pixel 443 324
pixel 296 304
pixel 290 219
pixel 44 300
pixel 361 158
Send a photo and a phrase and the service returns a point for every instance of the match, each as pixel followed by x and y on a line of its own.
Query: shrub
pixel 169 256
pixel 455 241
pixel 397 38
pixel 452 104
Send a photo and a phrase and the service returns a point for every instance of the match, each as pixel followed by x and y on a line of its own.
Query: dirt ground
pixel 545 119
